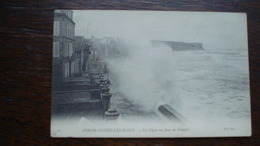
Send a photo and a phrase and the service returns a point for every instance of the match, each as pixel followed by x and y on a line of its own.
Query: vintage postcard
pixel 150 74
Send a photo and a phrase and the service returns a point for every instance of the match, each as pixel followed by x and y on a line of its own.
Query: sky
pixel 214 30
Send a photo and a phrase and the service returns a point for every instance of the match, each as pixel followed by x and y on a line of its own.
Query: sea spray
pixel 145 74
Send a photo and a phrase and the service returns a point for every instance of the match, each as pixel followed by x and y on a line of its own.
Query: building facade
pixel 63 45
pixel 83 50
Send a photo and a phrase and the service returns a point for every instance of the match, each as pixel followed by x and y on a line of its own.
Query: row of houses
pixel 76 56
pixel 71 54
pixel 80 79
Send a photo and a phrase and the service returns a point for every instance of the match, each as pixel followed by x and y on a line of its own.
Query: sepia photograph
pixel 136 74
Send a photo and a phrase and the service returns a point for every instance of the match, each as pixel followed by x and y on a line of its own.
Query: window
pixel 56 49
pixel 68 30
pixel 70 49
pixel 72 67
pixel 65 50
pixel 72 31
pixel 66 70
pixel 56 30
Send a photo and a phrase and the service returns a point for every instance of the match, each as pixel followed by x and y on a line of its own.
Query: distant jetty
pixel 179 46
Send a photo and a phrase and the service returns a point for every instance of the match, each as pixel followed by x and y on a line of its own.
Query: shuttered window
pixel 56 49
pixel 56 30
